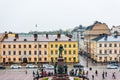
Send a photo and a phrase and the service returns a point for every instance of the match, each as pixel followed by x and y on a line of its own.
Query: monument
pixel 60 68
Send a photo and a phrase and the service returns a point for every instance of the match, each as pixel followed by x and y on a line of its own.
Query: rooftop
pixel 42 38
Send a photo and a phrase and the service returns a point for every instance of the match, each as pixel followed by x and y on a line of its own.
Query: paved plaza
pixel 19 74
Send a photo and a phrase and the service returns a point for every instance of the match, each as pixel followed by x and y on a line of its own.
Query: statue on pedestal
pixel 60 51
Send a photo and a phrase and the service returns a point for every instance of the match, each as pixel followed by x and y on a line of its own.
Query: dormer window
pixel 56 39
pixel 14 39
pixel 25 39
pixel 69 40
pixel 35 39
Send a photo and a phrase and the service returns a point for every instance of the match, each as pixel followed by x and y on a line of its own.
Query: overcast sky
pixel 22 15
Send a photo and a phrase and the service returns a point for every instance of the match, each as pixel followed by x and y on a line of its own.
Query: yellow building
pixel 106 48
pixel 93 31
pixel 70 52
pixel 36 48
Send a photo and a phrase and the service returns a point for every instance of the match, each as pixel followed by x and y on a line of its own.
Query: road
pixel 19 74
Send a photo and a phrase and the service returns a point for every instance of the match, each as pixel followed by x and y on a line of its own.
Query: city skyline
pixel 23 15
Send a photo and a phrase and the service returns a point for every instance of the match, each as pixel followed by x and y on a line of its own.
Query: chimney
pixel 58 36
pixel 47 36
pixel 35 36
pixel 16 36
pixel 6 35
pixel 106 36
pixel 70 36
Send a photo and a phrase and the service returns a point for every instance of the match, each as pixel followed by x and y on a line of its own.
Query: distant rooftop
pixel 41 38
pixel 111 38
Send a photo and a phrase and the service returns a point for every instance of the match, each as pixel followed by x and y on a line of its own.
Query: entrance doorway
pixel 25 60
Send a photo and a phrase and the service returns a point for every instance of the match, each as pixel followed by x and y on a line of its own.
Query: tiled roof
pixel 40 38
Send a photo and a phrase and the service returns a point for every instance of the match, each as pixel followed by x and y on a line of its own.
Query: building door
pixel 3 60
pixel 25 60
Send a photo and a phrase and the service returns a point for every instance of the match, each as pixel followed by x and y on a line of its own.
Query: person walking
pixel 113 76
pixel 103 76
pixel 33 73
pixel 96 73
pixel 106 73
pixel 92 77
pixel 25 71
pixel 86 73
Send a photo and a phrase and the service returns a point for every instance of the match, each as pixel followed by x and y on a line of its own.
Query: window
pixel 19 52
pixel 110 45
pixel 105 45
pixel 74 52
pixel 29 52
pixel 74 45
pixel 69 59
pixel 69 52
pixel 105 51
pixel 19 46
pixel 56 58
pixel 19 59
pixel 39 52
pixel 9 52
pixel 24 52
pixel 29 59
pixel 115 45
pixel 3 52
pixel 51 46
pixel 45 46
pixel 9 46
pixel 35 59
pixel 39 59
pixel 100 45
pixel 65 58
pixel 45 52
pixel 45 59
pixel 56 46
pixel 14 46
pixel 65 52
pixel 65 46
pixel 115 51
pixel 74 59
pixel 14 59
pixel 100 51
pixel 29 46
pixel 24 46
pixel 14 52
pixel 35 46
pixel 100 58
pixel 110 51
pixel 39 46
pixel 9 59
pixel 35 52
pixel 51 52
pixel 4 46
pixel 69 46
pixel 56 52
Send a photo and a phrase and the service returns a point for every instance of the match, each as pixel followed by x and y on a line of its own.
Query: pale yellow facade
pixel 70 52
pixel 105 51
pixel 31 49
pixel 17 51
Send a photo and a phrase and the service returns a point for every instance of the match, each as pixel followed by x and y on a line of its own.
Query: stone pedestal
pixel 60 75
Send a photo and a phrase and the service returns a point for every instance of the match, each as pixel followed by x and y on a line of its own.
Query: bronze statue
pixel 60 51
pixel 66 68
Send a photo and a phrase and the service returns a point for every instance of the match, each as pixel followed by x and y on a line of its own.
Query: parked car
pixel 79 66
pixel 31 66
pixel 47 66
pixel 2 67
pixel 111 66
pixel 15 66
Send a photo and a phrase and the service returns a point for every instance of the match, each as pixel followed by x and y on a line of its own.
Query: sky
pixel 23 15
